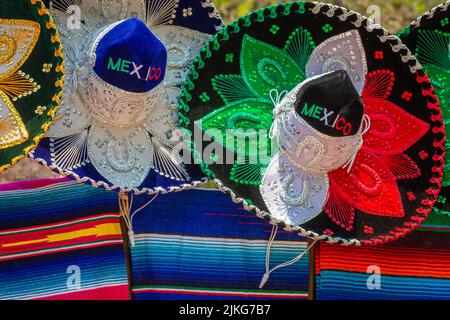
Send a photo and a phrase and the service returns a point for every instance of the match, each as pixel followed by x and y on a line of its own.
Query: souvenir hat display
pixel 125 64
pixel 428 38
pixel 31 73
pixel 321 122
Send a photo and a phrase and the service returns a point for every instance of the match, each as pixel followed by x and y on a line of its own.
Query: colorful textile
pixel 198 244
pixel 60 240
pixel 414 268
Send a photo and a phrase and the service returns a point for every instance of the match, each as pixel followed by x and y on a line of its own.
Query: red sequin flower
pixel 371 185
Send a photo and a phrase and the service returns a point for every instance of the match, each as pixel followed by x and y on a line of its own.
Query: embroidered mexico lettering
pixel 133 69
pixel 322 114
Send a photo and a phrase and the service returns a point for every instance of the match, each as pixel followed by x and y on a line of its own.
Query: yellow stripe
pixel 101 230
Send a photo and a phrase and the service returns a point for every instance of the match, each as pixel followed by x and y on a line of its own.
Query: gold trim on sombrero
pixel 12 129
pixel 21 37
pixel 17 40
pixel 58 85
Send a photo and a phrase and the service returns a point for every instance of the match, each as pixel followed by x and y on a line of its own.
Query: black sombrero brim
pixel 222 90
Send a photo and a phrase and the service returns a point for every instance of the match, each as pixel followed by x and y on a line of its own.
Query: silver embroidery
pixel 125 134
pixel 295 184
pixel 342 52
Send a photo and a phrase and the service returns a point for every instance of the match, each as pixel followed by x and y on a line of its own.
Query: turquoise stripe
pixel 46 275
pixel 346 285
pixel 215 263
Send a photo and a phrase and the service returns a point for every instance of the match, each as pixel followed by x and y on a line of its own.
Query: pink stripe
pixel 31 184
pixel 119 292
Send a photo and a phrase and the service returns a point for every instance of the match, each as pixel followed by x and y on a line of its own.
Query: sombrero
pixel 355 153
pixel 428 38
pixel 31 70
pixel 125 64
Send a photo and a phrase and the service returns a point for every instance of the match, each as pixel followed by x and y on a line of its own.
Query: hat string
pixel 276 97
pixel 266 275
pixel 125 205
pixel 365 128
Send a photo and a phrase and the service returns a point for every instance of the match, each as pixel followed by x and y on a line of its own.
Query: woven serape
pixel 60 240
pixel 198 244
pixel 414 268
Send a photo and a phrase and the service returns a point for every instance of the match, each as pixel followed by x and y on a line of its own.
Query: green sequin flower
pixel 327 28
pixel 444 22
pixel 432 52
pixel 229 57
pixel 274 29
pixel 246 117
pixel 204 97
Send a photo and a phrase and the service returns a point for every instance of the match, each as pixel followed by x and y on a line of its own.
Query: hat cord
pixel 266 275
pixel 125 205
pixel 365 128
pixel 276 97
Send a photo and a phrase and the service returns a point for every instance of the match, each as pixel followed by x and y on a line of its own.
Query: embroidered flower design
pixel 229 57
pixel 407 95
pixel 371 184
pixel 411 196
pixel 379 55
pixel 127 135
pixel 274 29
pixel 187 12
pixel 327 28
pixel 423 155
pixel 47 67
pixel 247 99
pixel 204 97
pixel 444 22
pixel 368 230
pixel 432 51
pixel 18 39
pixel 380 162
pixel 40 110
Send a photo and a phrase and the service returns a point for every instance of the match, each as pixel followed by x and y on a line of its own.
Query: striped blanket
pixel 414 268
pixel 198 244
pixel 60 240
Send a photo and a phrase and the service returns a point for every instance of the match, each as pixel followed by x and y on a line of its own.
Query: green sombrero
pixel 31 77
pixel 428 38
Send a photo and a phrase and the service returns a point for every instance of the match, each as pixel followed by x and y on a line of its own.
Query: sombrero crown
pixel 339 116
pixel 130 57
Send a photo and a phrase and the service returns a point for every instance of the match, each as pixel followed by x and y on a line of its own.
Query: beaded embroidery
pixel 17 40
pixel 370 186
pixel 341 220
pixel 123 135
pixel 247 96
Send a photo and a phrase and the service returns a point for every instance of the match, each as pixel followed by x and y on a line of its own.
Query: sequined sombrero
pixel 355 153
pixel 31 69
pixel 110 132
pixel 428 38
